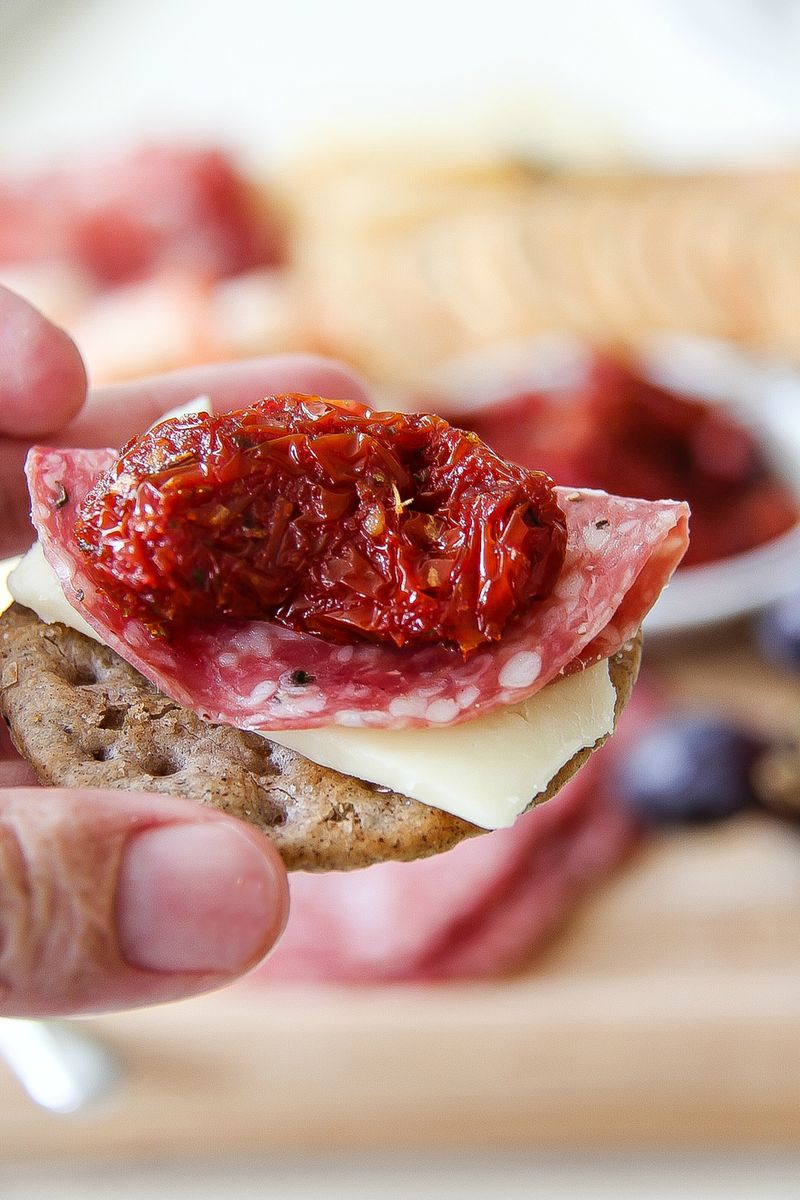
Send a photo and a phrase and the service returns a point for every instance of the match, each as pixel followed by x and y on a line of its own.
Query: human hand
pixel 110 899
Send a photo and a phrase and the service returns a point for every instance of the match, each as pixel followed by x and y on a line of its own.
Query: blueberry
pixel 778 631
pixel 689 767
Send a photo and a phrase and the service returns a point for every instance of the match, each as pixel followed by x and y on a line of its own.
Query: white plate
pixel 762 394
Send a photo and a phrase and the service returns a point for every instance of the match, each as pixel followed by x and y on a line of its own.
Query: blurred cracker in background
pixel 408 260
pixel 402 256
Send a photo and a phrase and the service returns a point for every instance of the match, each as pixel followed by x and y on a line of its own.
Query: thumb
pixel 115 899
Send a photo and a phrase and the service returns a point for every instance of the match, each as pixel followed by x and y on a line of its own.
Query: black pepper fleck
pixel 301 678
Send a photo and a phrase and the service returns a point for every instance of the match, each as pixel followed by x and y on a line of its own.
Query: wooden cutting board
pixel 666 1013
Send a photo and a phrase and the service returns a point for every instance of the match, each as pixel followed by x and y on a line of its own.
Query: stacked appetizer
pixel 362 630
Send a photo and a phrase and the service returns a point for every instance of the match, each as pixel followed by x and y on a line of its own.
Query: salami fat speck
pixel 259 675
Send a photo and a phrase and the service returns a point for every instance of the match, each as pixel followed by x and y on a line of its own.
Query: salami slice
pixel 259 675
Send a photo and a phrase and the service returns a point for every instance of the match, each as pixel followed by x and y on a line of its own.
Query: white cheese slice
pixel 487 770
pixel 34 583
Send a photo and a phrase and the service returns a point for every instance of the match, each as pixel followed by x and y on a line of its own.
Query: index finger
pixel 42 376
pixel 114 414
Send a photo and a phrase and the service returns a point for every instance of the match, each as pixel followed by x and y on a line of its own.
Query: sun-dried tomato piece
pixel 325 517
pixel 620 432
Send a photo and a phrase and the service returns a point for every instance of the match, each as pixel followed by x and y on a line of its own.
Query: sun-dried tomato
pixel 325 517
pixel 622 433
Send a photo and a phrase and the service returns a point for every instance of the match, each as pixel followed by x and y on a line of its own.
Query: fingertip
pixel 203 897
pixel 42 375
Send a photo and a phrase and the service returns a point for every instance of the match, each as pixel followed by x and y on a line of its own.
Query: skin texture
pixel 111 900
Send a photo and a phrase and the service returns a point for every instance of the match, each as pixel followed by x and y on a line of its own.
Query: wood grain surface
pixel 667 1014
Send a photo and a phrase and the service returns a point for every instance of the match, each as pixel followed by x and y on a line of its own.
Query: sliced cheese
pixel 34 583
pixel 487 770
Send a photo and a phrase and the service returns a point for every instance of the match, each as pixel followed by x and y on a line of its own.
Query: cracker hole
pixel 161 765
pixel 83 676
pixel 270 811
pixel 112 718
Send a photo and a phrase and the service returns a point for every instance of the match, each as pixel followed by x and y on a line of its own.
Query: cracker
pixel 84 718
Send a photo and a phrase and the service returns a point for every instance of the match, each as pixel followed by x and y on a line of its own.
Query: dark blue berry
pixel 689 767
pixel 778 631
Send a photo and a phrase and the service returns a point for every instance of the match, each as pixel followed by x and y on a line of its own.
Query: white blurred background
pixel 676 81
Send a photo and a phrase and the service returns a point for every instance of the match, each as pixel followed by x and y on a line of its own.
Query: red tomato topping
pixel 325 517
pixel 621 433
